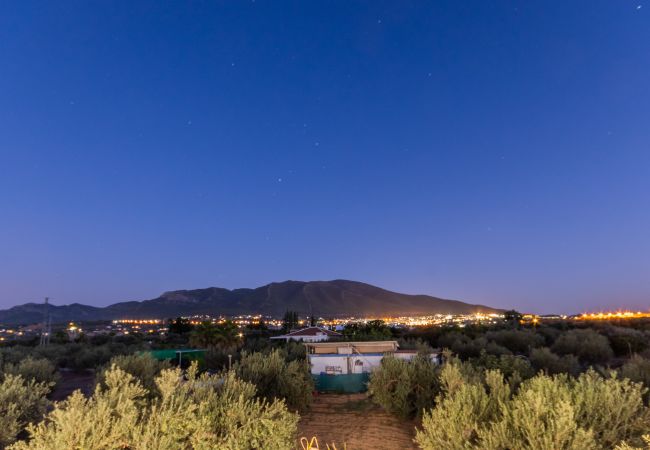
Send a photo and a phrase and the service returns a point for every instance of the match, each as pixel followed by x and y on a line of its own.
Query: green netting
pixel 173 354
pixel 348 383
pixel 163 354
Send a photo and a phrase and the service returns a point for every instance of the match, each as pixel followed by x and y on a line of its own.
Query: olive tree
pixel 545 413
pixel 405 388
pixel 21 402
pixel 142 366
pixel 190 412
pixel 275 378
pixel 40 370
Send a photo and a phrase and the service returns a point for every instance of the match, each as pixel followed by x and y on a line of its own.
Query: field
pixel 355 421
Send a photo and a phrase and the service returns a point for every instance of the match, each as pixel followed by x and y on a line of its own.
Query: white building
pixel 346 366
pixel 310 334
pixel 352 357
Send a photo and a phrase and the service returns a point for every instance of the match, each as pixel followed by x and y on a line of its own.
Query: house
pixel 346 366
pixel 310 334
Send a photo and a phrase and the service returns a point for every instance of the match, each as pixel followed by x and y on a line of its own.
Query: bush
pixel 612 408
pixel 416 344
pixel 463 346
pixel 512 367
pixel 492 348
pixel 21 402
pixel 275 378
pixel 216 359
pixel 589 346
pixel 374 330
pixel 637 369
pixel 547 412
pixel 626 341
pixel 39 370
pixel 462 412
pixel 199 412
pixel 539 416
pixel 91 357
pixel 142 366
pixel 627 446
pixel 545 360
pixel 405 388
pixel 517 341
pixel 295 351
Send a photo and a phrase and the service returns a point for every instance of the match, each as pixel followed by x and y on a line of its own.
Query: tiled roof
pixel 313 331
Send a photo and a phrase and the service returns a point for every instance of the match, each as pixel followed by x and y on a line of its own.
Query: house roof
pixel 310 331
pixel 353 344
pixel 313 331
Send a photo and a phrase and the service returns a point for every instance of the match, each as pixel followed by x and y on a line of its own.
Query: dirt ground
pixel 349 421
pixel 353 422
pixel 71 381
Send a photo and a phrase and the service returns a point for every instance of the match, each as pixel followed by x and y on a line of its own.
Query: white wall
pixel 357 363
pixel 346 363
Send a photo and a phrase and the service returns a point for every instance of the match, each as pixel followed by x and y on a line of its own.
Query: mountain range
pixel 337 298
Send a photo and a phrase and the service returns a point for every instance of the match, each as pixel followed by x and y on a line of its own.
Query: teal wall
pixel 348 383
pixel 172 354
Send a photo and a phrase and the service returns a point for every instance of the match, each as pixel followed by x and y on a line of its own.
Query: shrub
pixel 142 366
pixel 197 413
pixel 517 341
pixel 549 333
pixel 216 359
pixel 589 346
pixel 627 446
pixel 374 330
pixel 21 402
pixel 492 348
pixel 463 346
pixel 540 416
pixel 612 408
pixel 91 357
pixel 512 367
pixel 295 351
pixel 626 341
pixel 637 369
pixel 547 412
pixel 416 344
pixel 40 370
pixel 462 412
pixel 275 378
pixel 405 388
pixel 544 359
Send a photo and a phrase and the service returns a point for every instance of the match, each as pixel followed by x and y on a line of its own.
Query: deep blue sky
pixel 490 151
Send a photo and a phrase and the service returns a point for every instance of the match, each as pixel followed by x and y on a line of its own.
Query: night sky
pixel 496 152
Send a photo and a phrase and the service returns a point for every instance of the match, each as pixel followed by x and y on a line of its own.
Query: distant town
pixel 160 327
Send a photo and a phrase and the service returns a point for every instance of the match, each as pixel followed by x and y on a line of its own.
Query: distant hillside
pixel 336 298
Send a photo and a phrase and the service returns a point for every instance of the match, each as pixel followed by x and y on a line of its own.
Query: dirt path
pixel 71 381
pixel 354 420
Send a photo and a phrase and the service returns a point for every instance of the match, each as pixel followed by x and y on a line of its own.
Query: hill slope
pixel 336 298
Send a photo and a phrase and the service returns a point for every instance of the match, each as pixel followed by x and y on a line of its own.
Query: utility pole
pixel 46 330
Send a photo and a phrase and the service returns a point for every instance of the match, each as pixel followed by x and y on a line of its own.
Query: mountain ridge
pixel 335 298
